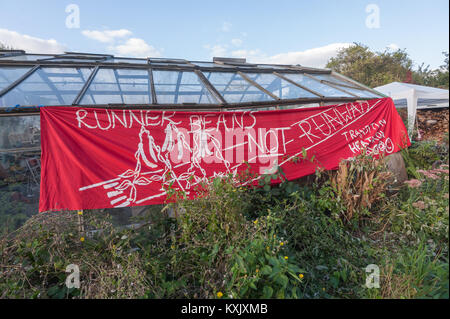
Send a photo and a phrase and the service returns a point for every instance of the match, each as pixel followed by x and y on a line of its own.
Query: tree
pixel 436 78
pixel 378 68
pixel 442 74
pixel 372 68
pixel 3 47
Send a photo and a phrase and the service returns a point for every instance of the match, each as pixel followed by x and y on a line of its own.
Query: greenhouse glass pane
pixel 126 60
pixel 281 88
pixel 121 86
pixel 333 79
pixel 272 66
pixel 27 57
pixel 10 74
pixel 235 89
pixel 361 93
pixel 18 132
pixel 185 65
pixel 212 65
pixel 355 90
pixel 75 60
pixel 48 86
pixel 19 170
pixel 180 87
pixel 167 60
pixel 316 86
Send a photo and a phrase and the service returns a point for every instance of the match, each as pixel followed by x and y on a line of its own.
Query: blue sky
pixel 305 32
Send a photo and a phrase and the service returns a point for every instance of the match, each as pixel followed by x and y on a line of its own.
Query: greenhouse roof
pixel 28 81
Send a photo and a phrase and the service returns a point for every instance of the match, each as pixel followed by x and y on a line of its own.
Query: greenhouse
pixel 31 81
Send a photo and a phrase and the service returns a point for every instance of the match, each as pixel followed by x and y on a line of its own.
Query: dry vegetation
pixel 286 241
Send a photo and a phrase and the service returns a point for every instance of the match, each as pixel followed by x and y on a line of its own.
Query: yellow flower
pixel 267 247
pixel 257 270
pixel 286 257
pixel 255 222
pixel 82 239
pixel 281 243
pixel 301 276
pixel 80 212
pixel 219 294
pixel 114 246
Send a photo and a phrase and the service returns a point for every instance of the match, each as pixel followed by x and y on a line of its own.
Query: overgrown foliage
pixel 424 155
pixel 292 240
pixel 34 259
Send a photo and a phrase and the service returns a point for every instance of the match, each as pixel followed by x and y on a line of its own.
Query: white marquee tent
pixel 415 97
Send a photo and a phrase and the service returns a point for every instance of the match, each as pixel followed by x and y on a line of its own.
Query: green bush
pixel 415 273
pixel 219 249
pixel 33 260
pixel 422 212
pixel 423 154
pixel 266 241
pixel 333 257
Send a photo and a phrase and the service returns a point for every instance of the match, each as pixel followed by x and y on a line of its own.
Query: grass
pixel 286 241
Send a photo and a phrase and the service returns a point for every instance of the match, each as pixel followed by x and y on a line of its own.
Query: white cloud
pixel 226 26
pixel 221 50
pixel 29 43
pixel 236 42
pixel 393 47
pixel 217 50
pixel 316 57
pixel 248 54
pixel 121 43
pixel 135 47
pixel 106 35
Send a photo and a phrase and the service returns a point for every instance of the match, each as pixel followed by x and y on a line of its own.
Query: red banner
pixel 99 158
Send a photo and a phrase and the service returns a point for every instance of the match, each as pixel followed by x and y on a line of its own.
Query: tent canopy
pixel 415 97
